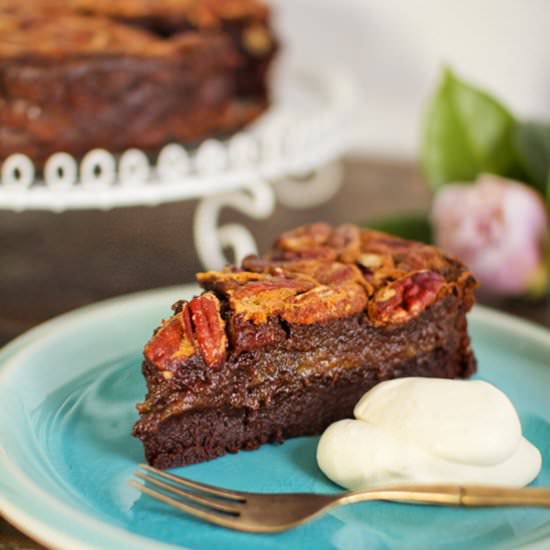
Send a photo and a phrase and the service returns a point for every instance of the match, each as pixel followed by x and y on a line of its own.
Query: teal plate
pixel 67 395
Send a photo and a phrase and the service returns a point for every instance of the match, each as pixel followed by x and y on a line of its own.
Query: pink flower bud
pixel 499 228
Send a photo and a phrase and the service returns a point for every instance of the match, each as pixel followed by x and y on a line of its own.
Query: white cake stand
pixel 290 154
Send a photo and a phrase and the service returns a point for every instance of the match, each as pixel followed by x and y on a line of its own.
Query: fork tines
pixel 198 499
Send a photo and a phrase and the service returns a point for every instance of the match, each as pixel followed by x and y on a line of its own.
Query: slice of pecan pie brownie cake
pixel 287 343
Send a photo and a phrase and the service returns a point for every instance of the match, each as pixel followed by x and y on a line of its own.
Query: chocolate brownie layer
pixel 306 406
pixel 285 330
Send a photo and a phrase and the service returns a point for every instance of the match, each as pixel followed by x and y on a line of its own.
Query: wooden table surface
pixel 51 263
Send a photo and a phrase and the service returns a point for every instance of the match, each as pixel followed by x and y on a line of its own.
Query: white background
pixel 397 47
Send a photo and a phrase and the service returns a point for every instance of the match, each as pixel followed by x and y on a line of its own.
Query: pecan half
pixel 382 243
pixel 209 328
pixel 225 280
pixel 307 242
pixel 335 274
pixel 324 303
pixel 174 341
pixel 281 285
pixel 340 291
pixel 292 268
pixel 321 253
pixel 164 344
pixel 346 240
pixel 304 237
pixel 407 256
pixel 256 264
pixel 405 298
pixel 420 257
pixel 258 300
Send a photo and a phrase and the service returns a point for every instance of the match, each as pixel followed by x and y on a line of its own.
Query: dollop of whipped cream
pixel 429 430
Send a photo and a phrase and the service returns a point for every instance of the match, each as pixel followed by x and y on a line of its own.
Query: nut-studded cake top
pixel 204 14
pixel 314 274
pixel 137 27
pixel 196 13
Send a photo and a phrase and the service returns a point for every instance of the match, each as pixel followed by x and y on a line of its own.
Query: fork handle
pixel 500 496
pixel 454 495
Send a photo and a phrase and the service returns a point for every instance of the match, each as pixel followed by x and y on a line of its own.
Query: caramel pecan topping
pixel 348 244
pixel 209 328
pixel 314 274
pixel 405 298
pixel 300 291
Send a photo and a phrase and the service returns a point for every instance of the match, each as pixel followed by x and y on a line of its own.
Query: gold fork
pixel 273 512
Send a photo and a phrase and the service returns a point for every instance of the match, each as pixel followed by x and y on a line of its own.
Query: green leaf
pixel 414 226
pixel 466 132
pixel 532 142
